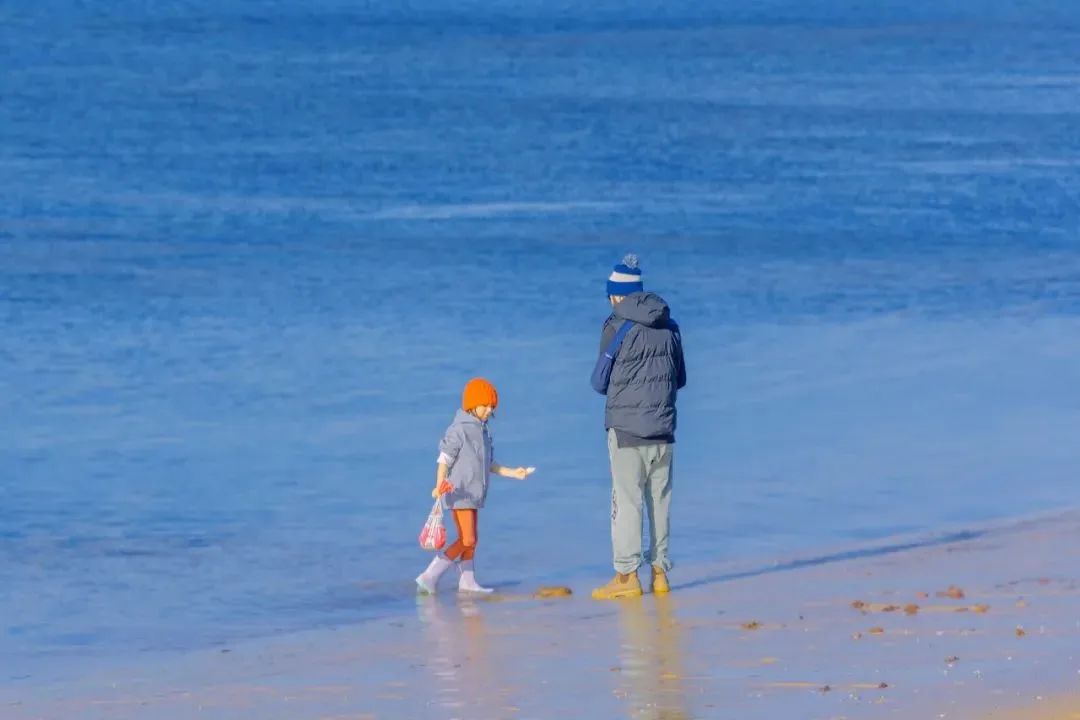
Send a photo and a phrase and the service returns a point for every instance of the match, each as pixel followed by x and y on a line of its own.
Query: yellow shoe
pixel 659 581
pixel 621 586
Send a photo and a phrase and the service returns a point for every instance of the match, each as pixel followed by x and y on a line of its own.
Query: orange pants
pixel 465 546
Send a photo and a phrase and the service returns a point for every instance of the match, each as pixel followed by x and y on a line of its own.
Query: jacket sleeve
pixel 607 334
pixel 450 446
pixel 680 361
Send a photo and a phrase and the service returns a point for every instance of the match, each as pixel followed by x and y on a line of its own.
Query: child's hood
pixel 465 418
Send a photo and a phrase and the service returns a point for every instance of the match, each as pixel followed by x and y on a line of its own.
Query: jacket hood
pixel 644 308
pixel 465 418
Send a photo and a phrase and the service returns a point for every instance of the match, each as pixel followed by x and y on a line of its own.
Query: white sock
pixel 428 581
pixel 468 579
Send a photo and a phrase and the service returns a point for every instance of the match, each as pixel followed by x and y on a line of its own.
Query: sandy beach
pixel 1066 708
pixel 971 624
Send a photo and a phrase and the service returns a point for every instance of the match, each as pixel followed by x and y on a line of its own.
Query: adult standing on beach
pixel 640 369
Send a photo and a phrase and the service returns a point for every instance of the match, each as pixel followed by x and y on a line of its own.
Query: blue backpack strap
pixel 616 342
pixel 601 374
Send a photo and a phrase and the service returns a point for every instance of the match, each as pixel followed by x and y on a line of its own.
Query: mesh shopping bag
pixel 433 535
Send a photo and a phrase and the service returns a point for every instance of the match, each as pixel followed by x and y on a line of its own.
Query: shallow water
pixel 248 259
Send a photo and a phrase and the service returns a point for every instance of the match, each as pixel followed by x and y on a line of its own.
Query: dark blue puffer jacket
pixel 648 371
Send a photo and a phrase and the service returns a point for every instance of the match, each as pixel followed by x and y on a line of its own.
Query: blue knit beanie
pixel 625 278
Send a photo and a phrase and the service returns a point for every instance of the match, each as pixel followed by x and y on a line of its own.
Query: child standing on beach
pixel 466 457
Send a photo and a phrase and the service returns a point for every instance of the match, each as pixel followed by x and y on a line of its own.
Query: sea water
pixel 249 255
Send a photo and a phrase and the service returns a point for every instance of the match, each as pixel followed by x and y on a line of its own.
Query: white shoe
pixel 428 581
pixel 467 583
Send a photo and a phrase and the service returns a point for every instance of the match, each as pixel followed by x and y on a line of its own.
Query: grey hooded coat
pixel 648 371
pixel 469 452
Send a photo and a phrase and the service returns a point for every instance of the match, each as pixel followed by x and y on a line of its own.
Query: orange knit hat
pixel 478 391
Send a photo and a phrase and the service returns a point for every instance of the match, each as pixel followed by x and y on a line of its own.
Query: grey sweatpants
pixel 640 474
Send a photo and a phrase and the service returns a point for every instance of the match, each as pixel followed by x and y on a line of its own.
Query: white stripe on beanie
pixel 621 277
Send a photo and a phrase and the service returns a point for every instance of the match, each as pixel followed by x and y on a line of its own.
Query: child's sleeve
pixel 450 446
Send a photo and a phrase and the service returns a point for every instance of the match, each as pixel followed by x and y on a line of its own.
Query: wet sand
pixel 973 624
pixel 1064 708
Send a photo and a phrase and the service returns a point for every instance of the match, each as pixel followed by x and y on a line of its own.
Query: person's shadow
pixel 837 557
pixel 651 675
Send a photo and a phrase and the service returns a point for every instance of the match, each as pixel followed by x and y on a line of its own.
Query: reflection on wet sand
pixel 466 683
pixel 651 676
